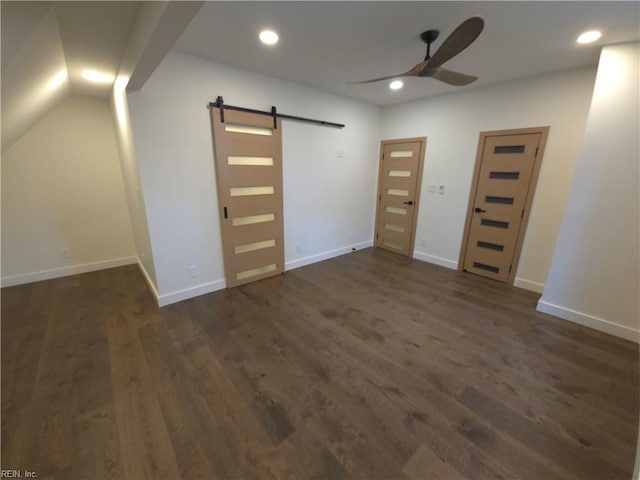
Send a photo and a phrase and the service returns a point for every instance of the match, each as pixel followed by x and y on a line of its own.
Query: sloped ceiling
pixel 34 79
pixel 46 46
pixel 19 20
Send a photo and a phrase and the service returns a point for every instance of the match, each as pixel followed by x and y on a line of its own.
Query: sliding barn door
pixel 248 161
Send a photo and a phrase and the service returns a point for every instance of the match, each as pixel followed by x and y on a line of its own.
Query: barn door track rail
pixel 219 103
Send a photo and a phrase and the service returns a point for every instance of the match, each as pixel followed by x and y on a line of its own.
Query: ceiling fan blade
pixel 379 79
pixel 452 78
pixel 460 38
pixel 414 72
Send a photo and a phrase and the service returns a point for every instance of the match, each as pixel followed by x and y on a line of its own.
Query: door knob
pixel 479 210
pixel 408 203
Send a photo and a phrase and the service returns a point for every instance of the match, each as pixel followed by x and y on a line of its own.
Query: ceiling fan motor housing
pixel 429 36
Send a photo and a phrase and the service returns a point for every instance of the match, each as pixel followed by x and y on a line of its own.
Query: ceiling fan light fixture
pixel 396 85
pixel 588 37
pixel 268 37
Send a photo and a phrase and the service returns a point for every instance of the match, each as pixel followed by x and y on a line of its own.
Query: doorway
pixel 504 181
pixel 248 164
pixel 399 181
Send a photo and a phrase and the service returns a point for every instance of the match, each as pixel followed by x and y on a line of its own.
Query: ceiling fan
pixel 460 38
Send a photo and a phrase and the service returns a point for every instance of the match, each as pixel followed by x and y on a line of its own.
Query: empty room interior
pixel 320 240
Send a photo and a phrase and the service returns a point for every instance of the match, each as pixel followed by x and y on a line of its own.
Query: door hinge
pixel 379 198
pixel 376 236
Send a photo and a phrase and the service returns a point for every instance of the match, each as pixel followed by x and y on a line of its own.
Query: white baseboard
pixel 180 295
pixel 590 321
pixel 66 271
pixel 528 285
pixel 443 262
pixel 301 262
pixel 147 277
pixel 186 293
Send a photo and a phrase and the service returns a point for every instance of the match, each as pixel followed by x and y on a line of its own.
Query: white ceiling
pixel 324 45
pixel 93 36
pixel 45 48
pixel 47 45
pixel 328 44
pixel 34 79
pixel 19 20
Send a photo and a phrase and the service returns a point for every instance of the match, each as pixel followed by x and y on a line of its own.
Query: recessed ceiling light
pixel 268 37
pixel 396 85
pixel 97 77
pixel 590 36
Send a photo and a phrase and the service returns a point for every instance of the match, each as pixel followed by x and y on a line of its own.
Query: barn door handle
pixel 408 203
pixel 225 212
pixel 479 210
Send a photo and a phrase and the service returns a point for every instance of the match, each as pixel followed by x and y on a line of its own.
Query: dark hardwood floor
pixel 366 366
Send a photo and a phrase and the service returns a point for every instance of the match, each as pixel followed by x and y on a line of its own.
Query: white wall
pixel 62 188
pixel 452 124
pixel 594 275
pixel 131 178
pixel 149 16
pixel 329 202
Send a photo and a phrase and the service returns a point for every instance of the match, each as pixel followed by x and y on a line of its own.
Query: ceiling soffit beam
pixel 158 27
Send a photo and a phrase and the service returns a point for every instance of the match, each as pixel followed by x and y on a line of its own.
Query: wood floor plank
pixel 602 390
pixel 24 322
pixel 50 418
pixel 392 414
pixel 145 448
pixel 457 352
pixel 248 448
pixel 425 465
pixel 548 445
pixel 96 452
pixel 369 365
pixel 169 382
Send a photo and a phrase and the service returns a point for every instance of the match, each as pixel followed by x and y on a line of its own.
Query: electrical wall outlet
pixel 65 252
pixel 298 248
pixel 193 271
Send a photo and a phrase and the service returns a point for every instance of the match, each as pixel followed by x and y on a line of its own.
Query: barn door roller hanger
pixel 219 103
